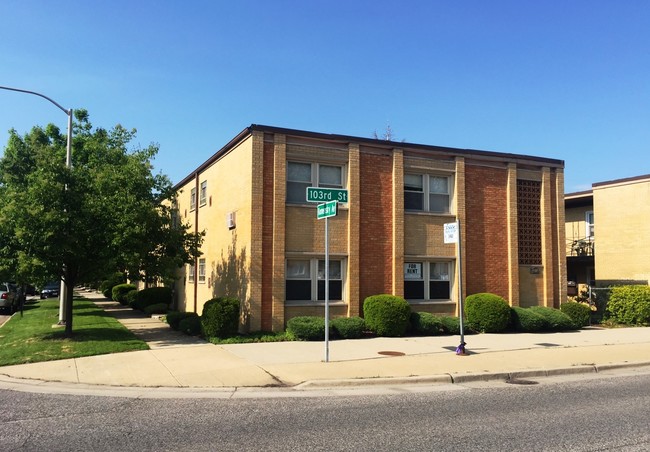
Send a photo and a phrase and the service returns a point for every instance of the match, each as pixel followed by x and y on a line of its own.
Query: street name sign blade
pixel 318 194
pixel 329 209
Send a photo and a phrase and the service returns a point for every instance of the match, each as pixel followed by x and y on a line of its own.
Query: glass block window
pixel 529 222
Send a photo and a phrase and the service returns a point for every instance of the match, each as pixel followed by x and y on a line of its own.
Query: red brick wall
pixel 267 238
pixel 486 230
pixel 376 225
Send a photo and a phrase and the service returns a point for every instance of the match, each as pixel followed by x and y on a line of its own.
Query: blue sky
pixel 559 79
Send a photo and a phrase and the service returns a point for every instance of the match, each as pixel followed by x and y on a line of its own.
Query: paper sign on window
pixel 413 270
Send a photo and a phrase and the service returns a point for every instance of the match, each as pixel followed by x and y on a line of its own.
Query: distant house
pixel 608 232
pixel 265 245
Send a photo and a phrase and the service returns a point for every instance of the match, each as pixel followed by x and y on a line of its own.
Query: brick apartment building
pixel 264 244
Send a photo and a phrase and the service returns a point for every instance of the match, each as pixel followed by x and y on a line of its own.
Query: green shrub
pixel 450 324
pixel 106 286
pixel 387 315
pixel 150 296
pixel 220 317
pixel 487 313
pixel 160 308
pixel 527 321
pixel 174 318
pixel 348 327
pixel 190 325
pixel 130 297
pixel 306 328
pixel 119 292
pixel 426 324
pixel 630 305
pixel 554 319
pixel 580 313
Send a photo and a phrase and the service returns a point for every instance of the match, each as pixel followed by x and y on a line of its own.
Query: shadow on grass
pixel 92 334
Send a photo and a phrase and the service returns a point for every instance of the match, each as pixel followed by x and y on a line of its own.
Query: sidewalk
pixel 179 361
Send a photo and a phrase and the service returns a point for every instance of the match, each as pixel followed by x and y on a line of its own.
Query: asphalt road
pixel 586 415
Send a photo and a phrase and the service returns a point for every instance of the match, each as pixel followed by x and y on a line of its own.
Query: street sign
pixel 451 232
pixel 326 210
pixel 317 194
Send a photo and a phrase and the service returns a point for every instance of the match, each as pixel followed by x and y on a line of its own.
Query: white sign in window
pixel 413 270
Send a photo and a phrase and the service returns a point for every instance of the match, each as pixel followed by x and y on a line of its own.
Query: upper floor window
pixel 204 193
pixel 303 175
pixel 427 193
pixel 190 273
pixel 202 270
pixel 193 198
pixel 589 220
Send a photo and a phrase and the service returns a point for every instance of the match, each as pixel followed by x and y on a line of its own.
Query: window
pixel 303 175
pixel 193 199
pixel 305 279
pixel 190 273
pixel 202 270
pixel 204 193
pixel 437 276
pixel 589 220
pixel 436 188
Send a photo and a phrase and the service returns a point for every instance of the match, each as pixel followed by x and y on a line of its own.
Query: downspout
pixel 196 231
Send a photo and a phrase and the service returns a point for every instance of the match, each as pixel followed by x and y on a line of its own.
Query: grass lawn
pixel 32 338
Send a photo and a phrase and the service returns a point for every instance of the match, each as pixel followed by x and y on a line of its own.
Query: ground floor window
pixel 305 279
pixel 427 280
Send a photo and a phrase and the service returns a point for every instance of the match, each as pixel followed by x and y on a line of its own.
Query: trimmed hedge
pixel 387 315
pixel 220 317
pixel 450 324
pixel 554 319
pixel 160 308
pixel 580 313
pixel 130 297
pixel 630 305
pixel 190 325
pixel 150 296
pixel 487 313
pixel 527 321
pixel 174 318
pixel 306 328
pixel 348 327
pixel 119 292
pixel 106 286
pixel 426 324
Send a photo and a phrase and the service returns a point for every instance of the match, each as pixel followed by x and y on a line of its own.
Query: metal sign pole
pixel 327 292
pixel 461 313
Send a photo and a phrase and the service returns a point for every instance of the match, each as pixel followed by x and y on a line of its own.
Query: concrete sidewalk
pixel 179 361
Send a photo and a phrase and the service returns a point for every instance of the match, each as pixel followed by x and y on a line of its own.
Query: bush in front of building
pixel 220 317
pixel 426 324
pixel 130 297
pixel 554 319
pixel 158 308
pixel 487 313
pixel 580 313
pixel 174 318
pixel 629 305
pixel 106 286
pixel 526 321
pixel 151 296
pixel 348 327
pixel 119 292
pixel 450 324
pixel 306 328
pixel 387 315
pixel 190 325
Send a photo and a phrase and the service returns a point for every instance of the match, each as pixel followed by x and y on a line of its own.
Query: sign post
pixel 332 196
pixel 452 235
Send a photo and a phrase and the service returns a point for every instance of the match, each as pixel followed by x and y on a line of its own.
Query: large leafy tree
pixel 108 212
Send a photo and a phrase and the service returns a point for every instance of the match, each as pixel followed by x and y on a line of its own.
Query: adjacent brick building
pixel 264 244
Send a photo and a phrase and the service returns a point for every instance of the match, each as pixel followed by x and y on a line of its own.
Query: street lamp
pixel 68 163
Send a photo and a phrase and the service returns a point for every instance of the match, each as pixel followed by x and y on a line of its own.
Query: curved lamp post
pixel 68 162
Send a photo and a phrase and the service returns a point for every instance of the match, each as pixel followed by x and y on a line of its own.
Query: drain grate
pixel 391 353
pixel 518 381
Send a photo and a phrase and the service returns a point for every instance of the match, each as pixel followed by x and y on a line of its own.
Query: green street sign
pixel 317 194
pixel 326 210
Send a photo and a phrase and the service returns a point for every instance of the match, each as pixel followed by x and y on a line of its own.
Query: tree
pixel 388 134
pixel 108 212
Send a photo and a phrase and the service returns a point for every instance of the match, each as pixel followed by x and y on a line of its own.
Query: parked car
pixel 50 290
pixel 9 297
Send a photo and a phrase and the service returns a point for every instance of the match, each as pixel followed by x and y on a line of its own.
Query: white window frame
pixel 589 223
pixel 190 274
pixel 426 194
pixel 426 278
pixel 203 197
pixel 315 177
pixel 193 199
pixel 201 270
pixel 314 277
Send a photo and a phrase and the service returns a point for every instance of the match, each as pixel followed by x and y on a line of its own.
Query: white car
pixel 9 299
